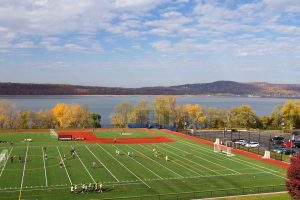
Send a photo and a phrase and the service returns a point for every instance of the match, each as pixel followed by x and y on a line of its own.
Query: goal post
pixel 3 157
pixel 53 133
pixel 219 148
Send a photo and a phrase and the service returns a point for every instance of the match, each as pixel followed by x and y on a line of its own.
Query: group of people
pixel 85 188
pixel 129 154
pixel 13 157
pixel 156 154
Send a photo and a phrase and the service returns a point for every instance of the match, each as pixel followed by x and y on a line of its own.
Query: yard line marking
pixel 143 166
pixel 85 167
pixel 6 162
pixel 64 165
pixel 258 167
pixel 125 167
pixel 204 159
pixel 154 161
pixel 102 164
pixel 45 166
pixel 194 172
pixel 23 173
pixel 191 161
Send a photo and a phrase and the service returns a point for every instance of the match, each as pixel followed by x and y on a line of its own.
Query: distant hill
pixel 228 88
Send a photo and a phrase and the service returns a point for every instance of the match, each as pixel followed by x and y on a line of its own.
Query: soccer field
pixel 193 169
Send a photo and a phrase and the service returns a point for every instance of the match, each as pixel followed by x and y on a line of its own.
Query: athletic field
pixel 192 168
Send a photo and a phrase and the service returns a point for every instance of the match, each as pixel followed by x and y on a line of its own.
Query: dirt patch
pixel 90 137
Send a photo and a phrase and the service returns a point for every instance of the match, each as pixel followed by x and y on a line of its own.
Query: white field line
pixel 45 166
pixel 6 162
pixel 123 183
pixel 240 161
pixel 64 165
pixel 143 166
pixel 125 167
pixel 194 172
pixel 155 161
pixel 205 159
pixel 23 173
pixel 85 168
pixel 191 161
pixel 102 164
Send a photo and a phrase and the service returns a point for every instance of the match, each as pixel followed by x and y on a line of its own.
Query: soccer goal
pixel 3 157
pixel 53 133
pixel 219 148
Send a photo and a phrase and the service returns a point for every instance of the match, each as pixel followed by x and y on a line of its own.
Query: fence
pixel 263 139
pixel 207 194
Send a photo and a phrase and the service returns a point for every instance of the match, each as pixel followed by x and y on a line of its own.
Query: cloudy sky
pixel 135 43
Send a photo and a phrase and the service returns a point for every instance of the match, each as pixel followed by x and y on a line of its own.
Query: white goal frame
pixel 219 148
pixel 53 133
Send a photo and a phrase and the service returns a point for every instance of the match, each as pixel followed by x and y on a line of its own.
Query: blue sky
pixel 134 43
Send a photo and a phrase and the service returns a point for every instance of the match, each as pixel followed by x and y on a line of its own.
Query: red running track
pixel 90 137
pixel 237 151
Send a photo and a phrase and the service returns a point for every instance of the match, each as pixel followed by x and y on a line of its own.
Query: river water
pixel 104 105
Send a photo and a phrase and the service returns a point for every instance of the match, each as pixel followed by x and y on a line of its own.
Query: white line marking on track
pixel 64 165
pixel 85 167
pixel 45 166
pixel 204 159
pixel 155 161
pixel 191 161
pixel 237 160
pixel 143 166
pixel 102 164
pixel 6 162
pixel 125 167
pixel 23 173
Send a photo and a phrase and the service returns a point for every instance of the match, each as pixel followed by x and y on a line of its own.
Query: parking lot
pixel 262 137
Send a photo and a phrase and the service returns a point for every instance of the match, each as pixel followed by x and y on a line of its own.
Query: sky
pixel 136 43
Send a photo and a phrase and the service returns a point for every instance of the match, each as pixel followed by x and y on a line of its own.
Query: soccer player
pixel 100 188
pixel 75 188
pixel 115 140
pixel 12 159
pixel 61 163
pixel 128 153
pixel 44 148
pixel 72 189
pixel 65 157
pixel 20 159
pixel 94 165
pixel 46 156
pixel 167 158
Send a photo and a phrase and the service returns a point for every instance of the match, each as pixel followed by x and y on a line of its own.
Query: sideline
pixel 23 174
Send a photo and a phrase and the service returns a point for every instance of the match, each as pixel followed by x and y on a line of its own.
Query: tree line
pixel 165 110
pixel 60 116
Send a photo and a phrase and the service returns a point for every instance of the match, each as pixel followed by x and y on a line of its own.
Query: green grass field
pixel 123 133
pixel 194 170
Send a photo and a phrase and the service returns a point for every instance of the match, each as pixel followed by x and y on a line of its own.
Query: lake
pixel 104 105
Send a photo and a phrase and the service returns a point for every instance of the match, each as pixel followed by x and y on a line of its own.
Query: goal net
pixel 3 157
pixel 53 133
pixel 219 148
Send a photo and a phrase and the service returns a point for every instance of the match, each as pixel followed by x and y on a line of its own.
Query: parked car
pixel 278 140
pixel 296 144
pixel 241 142
pixel 288 152
pixel 288 144
pixel 252 144
pixel 278 149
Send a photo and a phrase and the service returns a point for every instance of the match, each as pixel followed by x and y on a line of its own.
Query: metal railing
pixel 207 194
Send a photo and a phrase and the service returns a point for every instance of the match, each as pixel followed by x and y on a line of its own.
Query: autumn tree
pixel 121 116
pixel 291 114
pixel 165 109
pixel 23 119
pixel 194 114
pixel 243 117
pixel 95 120
pixel 139 113
pixel 8 115
pixel 276 117
pixel 216 117
pixel 293 178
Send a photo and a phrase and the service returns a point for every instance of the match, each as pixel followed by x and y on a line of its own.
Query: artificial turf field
pixel 192 166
